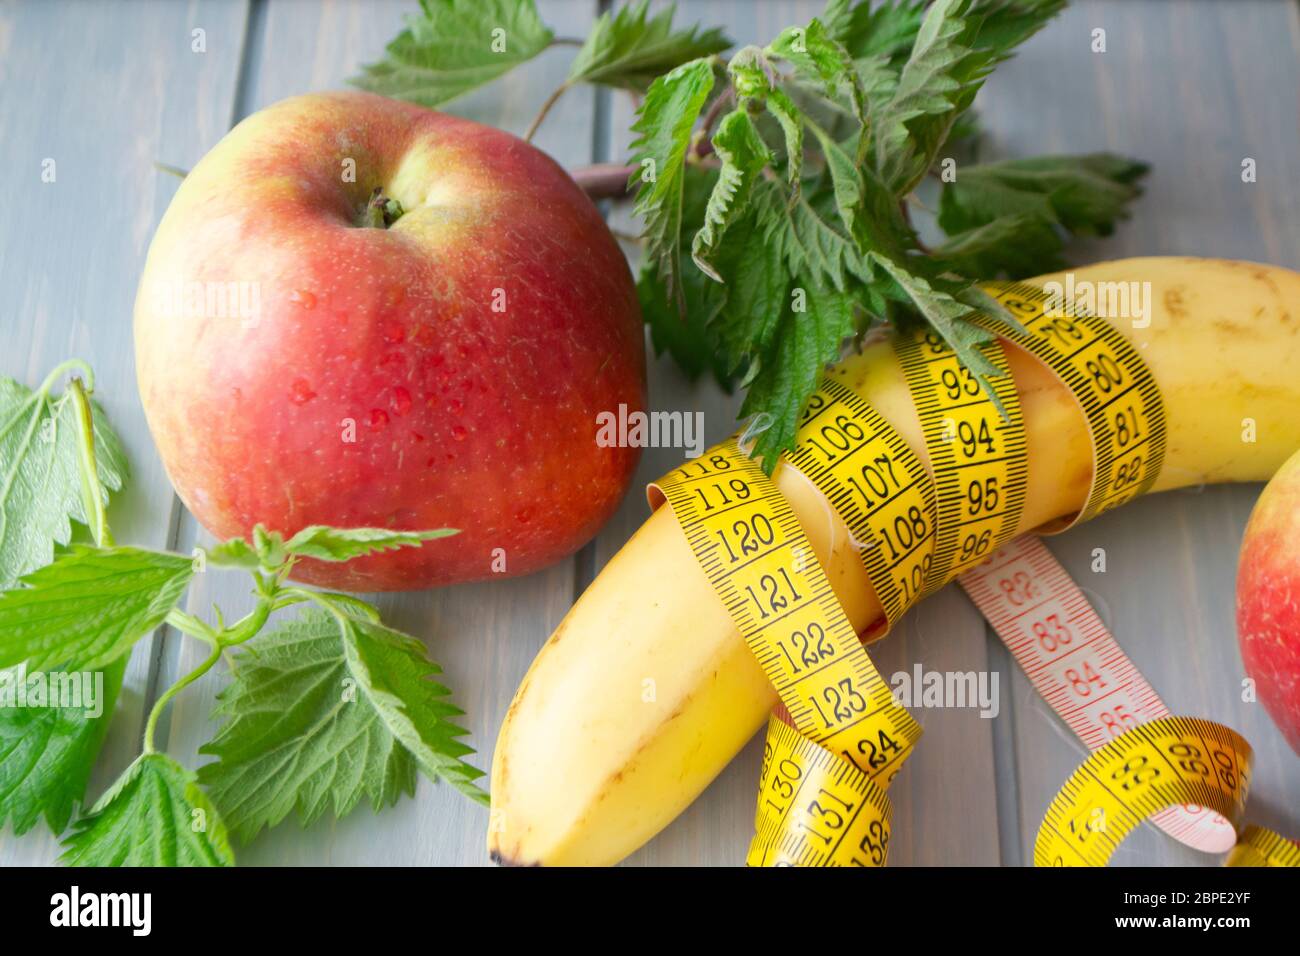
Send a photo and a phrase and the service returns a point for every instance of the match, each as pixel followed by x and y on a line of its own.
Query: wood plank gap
pixel 167 663
pixel 249 55
pixel 1006 766
pixel 600 124
pixel 584 562
pixel 165 636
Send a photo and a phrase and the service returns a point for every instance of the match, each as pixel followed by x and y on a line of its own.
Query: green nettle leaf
pixel 956 47
pixel 981 301
pixel 154 815
pixel 394 670
pixel 837 16
pixel 628 48
pixel 808 337
pixel 453 46
pixel 684 335
pixel 882 225
pixel 343 544
pixel 89 606
pixel 927 85
pixel 1016 246
pixel 744 155
pixel 815 54
pixel 879 80
pixel 269 546
pixel 47 752
pixel 40 486
pixel 787 115
pixel 881 87
pixel 1085 195
pixel 1005 24
pixel 234 553
pixel 802 233
pixel 664 123
pixel 946 314
pixel 987 198
pixel 757 283
pixel 888 29
pixel 885 29
pixel 845 179
pixel 325 710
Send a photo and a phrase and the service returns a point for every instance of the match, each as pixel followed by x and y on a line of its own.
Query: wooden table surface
pixel 108 88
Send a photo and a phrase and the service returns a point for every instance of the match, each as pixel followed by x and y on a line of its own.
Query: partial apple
pixel 360 312
pixel 1268 599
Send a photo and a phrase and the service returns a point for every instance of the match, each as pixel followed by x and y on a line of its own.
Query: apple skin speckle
pixel 401 400
pixel 300 392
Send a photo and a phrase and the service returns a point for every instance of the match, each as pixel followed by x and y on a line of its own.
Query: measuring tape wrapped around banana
pixel 904 476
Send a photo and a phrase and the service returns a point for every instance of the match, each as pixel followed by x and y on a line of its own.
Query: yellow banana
pixel 646 689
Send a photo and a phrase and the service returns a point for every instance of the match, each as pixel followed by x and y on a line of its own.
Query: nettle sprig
pixel 778 184
pixel 800 225
pixel 325 707
pixel 453 46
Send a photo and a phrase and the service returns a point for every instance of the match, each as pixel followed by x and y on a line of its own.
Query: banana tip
pixel 500 859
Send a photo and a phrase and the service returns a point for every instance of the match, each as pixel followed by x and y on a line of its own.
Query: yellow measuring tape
pixel 1108 378
pixel 1154 766
pixel 840 737
pixel 877 486
pixel 852 736
pixel 977 451
pixel 1260 847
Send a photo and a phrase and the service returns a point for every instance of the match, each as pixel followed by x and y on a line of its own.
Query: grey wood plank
pixel 1192 88
pixel 945 799
pixel 484 635
pixel 103 90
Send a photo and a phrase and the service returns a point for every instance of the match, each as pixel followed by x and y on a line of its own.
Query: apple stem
pixel 381 212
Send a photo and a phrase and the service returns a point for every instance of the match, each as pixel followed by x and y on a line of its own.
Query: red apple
pixel 1268 599
pixel 306 358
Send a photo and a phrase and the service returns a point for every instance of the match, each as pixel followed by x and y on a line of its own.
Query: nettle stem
pixel 703 144
pixel 92 495
pixel 62 369
pixel 546 108
pixel 242 630
pixel 165 698
pixel 604 180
